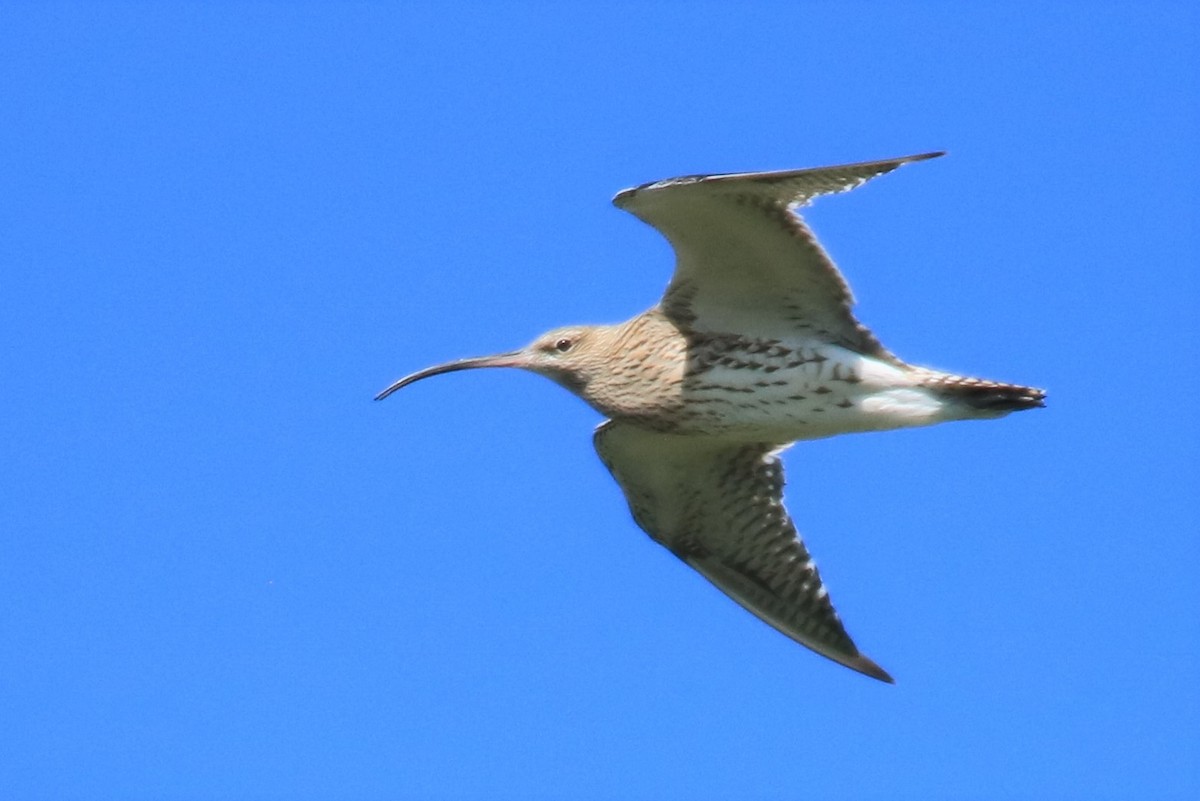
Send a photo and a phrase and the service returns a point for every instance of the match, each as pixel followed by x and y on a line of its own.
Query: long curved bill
pixel 498 360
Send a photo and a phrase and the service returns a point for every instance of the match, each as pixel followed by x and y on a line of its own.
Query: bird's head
pixel 568 356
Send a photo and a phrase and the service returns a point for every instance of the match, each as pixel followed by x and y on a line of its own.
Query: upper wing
pixel 719 507
pixel 746 262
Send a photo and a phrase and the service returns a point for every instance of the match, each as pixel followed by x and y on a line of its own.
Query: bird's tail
pixel 984 395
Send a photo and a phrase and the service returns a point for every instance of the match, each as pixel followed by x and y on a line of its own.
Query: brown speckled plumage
pixel 753 346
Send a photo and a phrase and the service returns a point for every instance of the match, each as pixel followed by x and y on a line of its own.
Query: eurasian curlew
pixel 752 347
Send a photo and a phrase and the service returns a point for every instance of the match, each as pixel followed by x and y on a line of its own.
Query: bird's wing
pixel 745 260
pixel 719 507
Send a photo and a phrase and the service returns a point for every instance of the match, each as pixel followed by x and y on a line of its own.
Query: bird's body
pixel 752 347
pixel 673 379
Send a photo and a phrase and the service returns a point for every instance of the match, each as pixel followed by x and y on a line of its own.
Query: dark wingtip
pixel 936 154
pixel 868 668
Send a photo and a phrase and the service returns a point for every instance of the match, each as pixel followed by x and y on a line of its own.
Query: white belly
pixel 805 394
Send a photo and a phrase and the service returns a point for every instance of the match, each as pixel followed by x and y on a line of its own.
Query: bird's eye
pixel 563 345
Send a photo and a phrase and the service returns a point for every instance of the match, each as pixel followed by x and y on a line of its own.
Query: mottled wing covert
pixel 719 507
pixel 745 260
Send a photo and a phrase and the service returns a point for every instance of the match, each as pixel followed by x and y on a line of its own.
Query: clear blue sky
pixel 226 573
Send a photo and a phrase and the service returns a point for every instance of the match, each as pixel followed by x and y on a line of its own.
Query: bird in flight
pixel 753 346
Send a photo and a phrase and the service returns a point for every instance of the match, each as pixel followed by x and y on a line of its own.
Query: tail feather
pixel 989 396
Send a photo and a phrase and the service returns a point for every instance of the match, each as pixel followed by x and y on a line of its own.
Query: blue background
pixel 226 573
